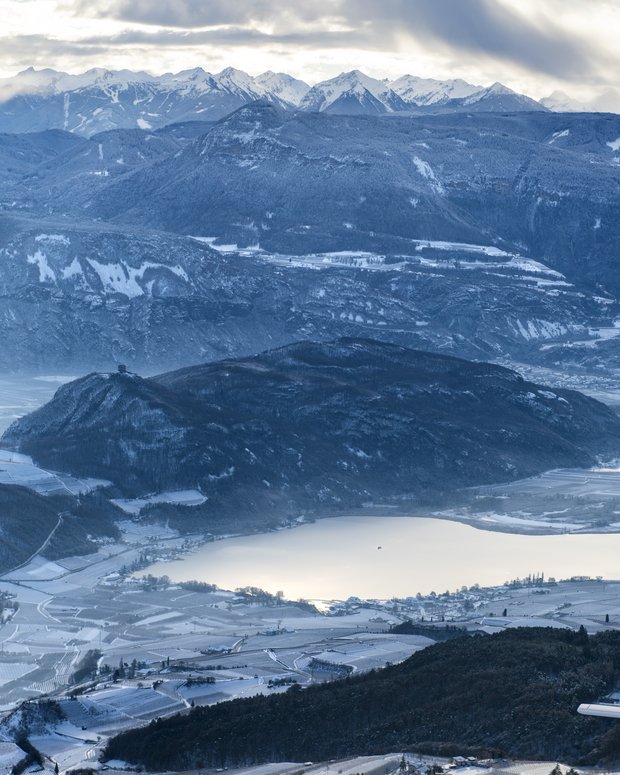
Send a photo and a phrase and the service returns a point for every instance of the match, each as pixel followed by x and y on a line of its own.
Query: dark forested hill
pixel 27 519
pixel 515 693
pixel 315 427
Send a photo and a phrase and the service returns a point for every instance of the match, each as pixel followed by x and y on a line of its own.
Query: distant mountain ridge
pixel 100 99
pixel 462 233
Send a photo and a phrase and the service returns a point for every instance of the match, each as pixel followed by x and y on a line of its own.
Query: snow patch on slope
pixel 58 239
pixel 123 279
pixel 46 273
pixel 426 171
pixel 557 135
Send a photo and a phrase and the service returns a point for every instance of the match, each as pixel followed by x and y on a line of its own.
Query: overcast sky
pixel 533 46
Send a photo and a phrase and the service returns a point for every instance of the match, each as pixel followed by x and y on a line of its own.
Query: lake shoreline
pixel 384 557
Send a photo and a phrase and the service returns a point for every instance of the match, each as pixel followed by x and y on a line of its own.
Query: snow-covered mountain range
pixel 98 100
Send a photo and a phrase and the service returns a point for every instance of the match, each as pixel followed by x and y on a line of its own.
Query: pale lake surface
pixel 383 557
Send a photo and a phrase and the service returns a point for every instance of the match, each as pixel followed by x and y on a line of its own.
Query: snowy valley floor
pixel 203 647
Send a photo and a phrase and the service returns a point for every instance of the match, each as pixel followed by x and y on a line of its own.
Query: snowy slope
pixel 349 90
pixel 290 90
pixel 428 91
pixel 501 98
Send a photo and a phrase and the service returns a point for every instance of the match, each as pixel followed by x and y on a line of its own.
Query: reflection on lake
pixel 383 557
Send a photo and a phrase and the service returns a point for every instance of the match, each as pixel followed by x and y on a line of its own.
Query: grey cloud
pixel 208 13
pixel 485 27
pixel 234 36
pixel 40 49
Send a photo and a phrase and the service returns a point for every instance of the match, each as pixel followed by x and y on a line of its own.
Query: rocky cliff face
pixel 315 426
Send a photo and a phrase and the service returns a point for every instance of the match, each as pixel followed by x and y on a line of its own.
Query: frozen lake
pixel 383 557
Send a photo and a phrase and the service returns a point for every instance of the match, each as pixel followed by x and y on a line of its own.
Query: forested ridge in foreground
pixel 515 693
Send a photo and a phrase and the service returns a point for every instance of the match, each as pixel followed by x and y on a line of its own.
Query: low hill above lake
pixel 315 427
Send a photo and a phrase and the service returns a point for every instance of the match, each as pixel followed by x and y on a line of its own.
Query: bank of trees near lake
pixel 514 693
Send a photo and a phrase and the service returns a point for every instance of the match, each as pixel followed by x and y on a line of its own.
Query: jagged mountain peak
pixel 102 98
pixel 499 88
pixel 231 76
pixel 497 96
pixel 232 72
pixel 353 78
pixel 356 75
pixel 352 92
pixel 288 89
pixel 192 72
pixel 45 71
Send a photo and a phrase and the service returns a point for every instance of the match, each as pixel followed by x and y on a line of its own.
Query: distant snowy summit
pixel 99 99
pixel 560 102
pixel 355 92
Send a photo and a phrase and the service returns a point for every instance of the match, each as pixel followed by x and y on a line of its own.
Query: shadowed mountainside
pixel 315 427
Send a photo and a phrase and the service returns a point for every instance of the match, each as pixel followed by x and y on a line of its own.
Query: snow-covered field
pixel 179 497
pixel 482 259
pixel 20 470
pixel 597 482
pixel 179 638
